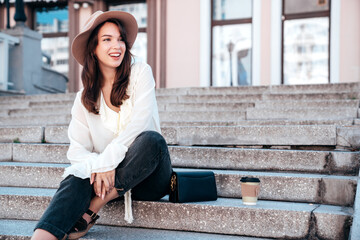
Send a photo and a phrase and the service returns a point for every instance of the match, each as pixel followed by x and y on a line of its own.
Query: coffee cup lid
pixel 248 179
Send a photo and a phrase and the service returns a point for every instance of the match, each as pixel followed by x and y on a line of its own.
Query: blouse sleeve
pixel 80 150
pixel 83 160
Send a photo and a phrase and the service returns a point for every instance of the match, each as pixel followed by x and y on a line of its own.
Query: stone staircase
pixel 301 141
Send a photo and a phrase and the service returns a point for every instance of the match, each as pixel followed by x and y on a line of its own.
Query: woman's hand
pixel 103 182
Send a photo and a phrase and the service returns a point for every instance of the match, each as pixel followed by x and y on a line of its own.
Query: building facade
pixel 192 43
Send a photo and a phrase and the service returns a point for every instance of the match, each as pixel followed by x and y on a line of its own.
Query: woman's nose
pixel 116 44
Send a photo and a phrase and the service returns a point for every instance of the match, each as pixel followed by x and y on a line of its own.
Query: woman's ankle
pixel 97 203
pixel 87 218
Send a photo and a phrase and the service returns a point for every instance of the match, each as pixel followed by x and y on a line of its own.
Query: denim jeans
pixel 146 170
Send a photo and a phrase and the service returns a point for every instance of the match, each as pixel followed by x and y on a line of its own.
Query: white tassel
pixel 128 209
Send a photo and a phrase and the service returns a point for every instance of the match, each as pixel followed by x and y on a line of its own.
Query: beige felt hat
pixel 128 21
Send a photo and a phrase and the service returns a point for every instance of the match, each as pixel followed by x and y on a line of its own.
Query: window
pixel 53 23
pixel 306 42
pixel 62 62
pixel 139 10
pixel 231 42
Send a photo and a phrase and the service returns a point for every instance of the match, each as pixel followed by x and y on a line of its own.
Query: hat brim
pixel 127 20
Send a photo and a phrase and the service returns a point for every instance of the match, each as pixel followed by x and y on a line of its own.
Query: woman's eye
pixel 106 39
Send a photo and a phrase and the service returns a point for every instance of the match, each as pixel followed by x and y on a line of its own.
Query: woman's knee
pixel 153 139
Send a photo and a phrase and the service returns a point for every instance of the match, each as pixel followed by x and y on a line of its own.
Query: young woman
pixel 116 148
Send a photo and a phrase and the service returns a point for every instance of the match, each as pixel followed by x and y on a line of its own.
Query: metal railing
pixel 5 41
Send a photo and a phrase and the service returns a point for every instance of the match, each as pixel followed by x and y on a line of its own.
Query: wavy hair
pixel 92 77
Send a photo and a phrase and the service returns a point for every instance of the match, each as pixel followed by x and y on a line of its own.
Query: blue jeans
pixel 146 169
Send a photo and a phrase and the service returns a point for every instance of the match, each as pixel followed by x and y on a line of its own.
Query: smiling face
pixel 110 50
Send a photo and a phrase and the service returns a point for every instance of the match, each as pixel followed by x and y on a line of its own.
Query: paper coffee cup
pixel 250 188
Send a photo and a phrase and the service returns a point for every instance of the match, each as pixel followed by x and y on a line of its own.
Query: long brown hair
pixel 92 78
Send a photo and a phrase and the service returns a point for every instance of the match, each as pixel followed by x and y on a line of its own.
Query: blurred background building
pixel 193 43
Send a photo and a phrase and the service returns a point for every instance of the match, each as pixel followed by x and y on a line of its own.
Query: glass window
pixel 232 55
pixel 306 40
pixel 305 6
pixel 231 9
pixel 139 10
pixel 53 23
pixel 231 43
pixel 306 55
pixel 56 57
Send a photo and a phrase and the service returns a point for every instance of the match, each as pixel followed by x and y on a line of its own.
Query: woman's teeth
pixel 115 54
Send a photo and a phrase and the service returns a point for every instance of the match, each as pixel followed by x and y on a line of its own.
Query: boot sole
pixel 77 235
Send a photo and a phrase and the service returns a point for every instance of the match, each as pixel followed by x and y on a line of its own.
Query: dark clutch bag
pixel 192 187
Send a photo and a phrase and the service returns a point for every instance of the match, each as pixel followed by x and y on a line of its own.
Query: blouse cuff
pixel 81 170
pixel 109 159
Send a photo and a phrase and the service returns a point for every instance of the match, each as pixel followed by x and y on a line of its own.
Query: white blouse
pixel 98 143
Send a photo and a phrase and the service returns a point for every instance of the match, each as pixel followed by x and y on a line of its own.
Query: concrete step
pixel 6 151
pixel 36 120
pixel 324 162
pixel 170 122
pixel 202 116
pixel 237 135
pixel 230 98
pixel 211 90
pixel 312 188
pixel 38 153
pixel 252 135
pixel 231 135
pixel 328 162
pixel 348 137
pixel 192 112
pixel 254 122
pixel 55 103
pixel 313 96
pixel 308 104
pixel 21 134
pixel 6 105
pixel 220 98
pixel 190 107
pixel 231 106
pixel 35 104
pixel 43 111
pixel 211 118
pixel 316 88
pixel 225 106
pixel 269 219
pixel 23 229
pixel 293 89
pixel 301 113
pixel 39 98
pixel 296 135
pixel 310 88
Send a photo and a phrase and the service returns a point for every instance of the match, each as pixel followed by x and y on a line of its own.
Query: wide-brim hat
pixel 79 43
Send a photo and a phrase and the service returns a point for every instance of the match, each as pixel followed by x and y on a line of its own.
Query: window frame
pixel 36 5
pixel 295 16
pixel 215 23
